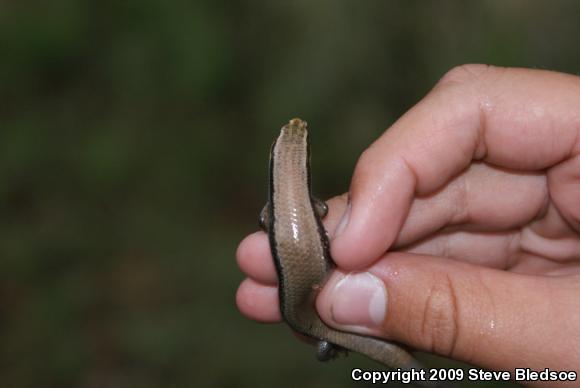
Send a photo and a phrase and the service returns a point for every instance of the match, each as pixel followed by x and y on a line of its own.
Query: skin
pixel 468 212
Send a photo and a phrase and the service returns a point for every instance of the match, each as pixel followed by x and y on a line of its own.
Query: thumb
pixel 491 318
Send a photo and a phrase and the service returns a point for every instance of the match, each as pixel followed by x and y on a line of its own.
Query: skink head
pixel 295 127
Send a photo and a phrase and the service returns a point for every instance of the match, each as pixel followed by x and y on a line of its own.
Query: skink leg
pixel 327 351
pixel 264 219
pixel 320 207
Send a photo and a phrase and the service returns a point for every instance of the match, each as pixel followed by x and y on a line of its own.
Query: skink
pixel 300 248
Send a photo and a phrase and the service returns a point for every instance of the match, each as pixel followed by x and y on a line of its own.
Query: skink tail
pixel 386 353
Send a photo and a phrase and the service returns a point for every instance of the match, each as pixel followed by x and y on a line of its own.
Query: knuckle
pixel 365 158
pixel 440 324
pixel 464 74
pixel 364 164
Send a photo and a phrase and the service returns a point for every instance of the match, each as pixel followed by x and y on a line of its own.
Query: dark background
pixel 134 140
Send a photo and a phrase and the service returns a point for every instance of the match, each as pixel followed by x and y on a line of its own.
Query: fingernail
pixel 343 221
pixel 359 299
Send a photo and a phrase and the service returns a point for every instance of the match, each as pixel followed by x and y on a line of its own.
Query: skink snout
pixel 295 126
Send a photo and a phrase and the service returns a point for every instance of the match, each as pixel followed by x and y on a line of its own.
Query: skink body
pixel 300 248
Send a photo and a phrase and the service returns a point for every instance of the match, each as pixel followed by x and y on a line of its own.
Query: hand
pixel 462 233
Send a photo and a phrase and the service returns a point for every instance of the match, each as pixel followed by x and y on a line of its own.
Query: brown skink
pixel 300 248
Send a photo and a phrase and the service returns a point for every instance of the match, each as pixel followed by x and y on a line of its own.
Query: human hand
pixel 467 212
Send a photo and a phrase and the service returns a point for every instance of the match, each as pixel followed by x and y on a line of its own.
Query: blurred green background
pixel 134 140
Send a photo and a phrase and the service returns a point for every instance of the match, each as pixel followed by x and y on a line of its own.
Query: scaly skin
pixel 300 250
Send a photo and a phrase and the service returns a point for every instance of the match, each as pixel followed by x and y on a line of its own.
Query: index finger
pixel 515 118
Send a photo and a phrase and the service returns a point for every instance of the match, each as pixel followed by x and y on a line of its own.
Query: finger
pixel 482 316
pixel 495 250
pixel 505 117
pixel 564 182
pixel 492 250
pixel 253 254
pixel 548 245
pixel 255 259
pixel 336 207
pixel 482 198
pixel 258 301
